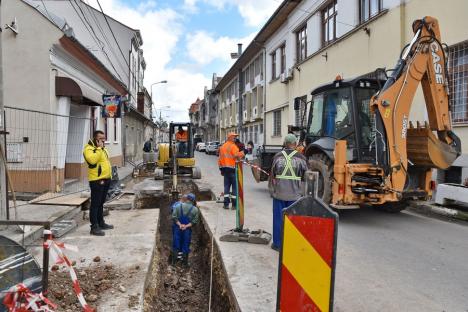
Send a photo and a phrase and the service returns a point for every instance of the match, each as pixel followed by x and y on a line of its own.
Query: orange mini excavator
pixel 359 137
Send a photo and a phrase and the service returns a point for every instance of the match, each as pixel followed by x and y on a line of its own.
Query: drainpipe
pixel 240 91
pixel 264 95
pixel 402 23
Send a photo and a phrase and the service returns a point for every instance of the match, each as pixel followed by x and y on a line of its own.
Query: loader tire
pixel 392 207
pixel 324 166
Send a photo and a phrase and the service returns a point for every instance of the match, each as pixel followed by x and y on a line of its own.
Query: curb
pixel 439 210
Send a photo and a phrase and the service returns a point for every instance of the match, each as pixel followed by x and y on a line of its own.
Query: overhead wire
pixel 104 36
pixel 112 32
pixel 132 73
pixel 94 36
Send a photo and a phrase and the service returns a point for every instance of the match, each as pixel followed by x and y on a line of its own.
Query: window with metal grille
pixel 329 22
pixel 299 114
pixel 458 82
pixel 277 123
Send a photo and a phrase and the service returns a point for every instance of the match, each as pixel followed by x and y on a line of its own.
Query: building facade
pixel 322 39
pixel 210 111
pixel 122 56
pixel 53 95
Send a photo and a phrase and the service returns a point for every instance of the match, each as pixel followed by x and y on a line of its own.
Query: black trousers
pixel 99 190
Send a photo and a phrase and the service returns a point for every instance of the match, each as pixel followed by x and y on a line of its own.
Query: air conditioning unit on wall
pixel 254 112
pixel 245 116
pixel 257 80
pixel 290 73
pixel 284 78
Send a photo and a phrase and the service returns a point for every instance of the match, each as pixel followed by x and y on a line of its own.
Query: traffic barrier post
pixel 239 196
pixel 306 271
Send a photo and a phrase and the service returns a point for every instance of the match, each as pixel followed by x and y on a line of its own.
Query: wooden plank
pixel 58 199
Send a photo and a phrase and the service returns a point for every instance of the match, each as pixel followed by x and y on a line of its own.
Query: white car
pixel 212 147
pixel 201 147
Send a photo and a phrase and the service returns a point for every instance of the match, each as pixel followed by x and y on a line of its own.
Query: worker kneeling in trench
pixel 185 214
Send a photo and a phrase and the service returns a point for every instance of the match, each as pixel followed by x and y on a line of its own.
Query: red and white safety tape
pixel 59 257
pixel 21 299
pixel 255 167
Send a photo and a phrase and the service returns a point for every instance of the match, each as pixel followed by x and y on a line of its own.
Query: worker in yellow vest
pixel 287 174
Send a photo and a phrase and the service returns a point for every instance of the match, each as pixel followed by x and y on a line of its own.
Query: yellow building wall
pixel 358 53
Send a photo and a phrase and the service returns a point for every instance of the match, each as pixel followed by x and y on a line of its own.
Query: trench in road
pixel 177 288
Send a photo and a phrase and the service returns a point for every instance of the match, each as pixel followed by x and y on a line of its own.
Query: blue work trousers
pixel 278 207
pixel 181 238
pixel 229 182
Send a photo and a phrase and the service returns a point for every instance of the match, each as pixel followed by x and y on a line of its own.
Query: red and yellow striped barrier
pixel 307 260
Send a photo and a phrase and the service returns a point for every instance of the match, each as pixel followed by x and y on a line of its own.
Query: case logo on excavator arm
pixel 404 127
pixel 436 62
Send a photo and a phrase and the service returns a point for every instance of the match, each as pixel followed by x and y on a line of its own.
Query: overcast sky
pixel 186 41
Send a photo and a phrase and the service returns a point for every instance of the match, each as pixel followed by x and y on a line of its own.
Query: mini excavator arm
pixel 423 61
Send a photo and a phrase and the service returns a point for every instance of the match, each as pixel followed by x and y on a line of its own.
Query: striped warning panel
pixel 307 264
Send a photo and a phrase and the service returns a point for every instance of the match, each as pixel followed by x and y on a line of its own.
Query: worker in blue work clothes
pixel 184 215
pixel 178 256
pixel 287 174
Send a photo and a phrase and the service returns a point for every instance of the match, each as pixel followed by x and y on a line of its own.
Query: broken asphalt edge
pixel 422 207
pixel 150 268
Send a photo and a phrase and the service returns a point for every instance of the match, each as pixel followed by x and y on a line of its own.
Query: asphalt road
pixel 385 262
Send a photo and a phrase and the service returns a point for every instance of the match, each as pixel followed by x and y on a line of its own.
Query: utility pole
pixel 3 190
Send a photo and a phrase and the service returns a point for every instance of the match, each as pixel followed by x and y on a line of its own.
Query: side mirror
pixel 302 135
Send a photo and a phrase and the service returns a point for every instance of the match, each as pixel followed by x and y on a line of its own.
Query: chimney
pixel 239 49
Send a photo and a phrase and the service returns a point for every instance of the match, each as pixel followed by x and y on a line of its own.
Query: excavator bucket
pixel 425 149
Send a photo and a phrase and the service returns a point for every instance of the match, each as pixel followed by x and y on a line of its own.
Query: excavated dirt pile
pixel 95 280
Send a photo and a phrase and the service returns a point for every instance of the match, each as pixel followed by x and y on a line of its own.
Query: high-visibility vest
pixel 288 167
pixel 228 153
pixel 181 136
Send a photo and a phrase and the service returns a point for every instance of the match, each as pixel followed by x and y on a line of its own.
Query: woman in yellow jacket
pixel 99 176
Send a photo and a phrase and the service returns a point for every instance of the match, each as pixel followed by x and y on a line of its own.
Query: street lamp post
pixel 151 88
pixel 151 94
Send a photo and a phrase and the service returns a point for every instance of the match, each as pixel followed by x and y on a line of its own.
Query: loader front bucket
pixel 425 149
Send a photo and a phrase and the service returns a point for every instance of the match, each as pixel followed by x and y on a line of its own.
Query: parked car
pixel 212 147
pixel 201 147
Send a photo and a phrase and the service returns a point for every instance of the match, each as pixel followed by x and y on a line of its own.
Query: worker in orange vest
pixel 228 154
pixel 181 139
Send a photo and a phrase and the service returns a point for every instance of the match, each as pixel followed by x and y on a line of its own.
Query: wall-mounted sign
pixel 111 108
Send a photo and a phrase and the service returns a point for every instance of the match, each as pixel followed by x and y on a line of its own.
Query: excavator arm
pixel 422 62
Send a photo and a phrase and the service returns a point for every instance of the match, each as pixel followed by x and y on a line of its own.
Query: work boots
pixel 105 226
pixel 96 230
pixel 185 259
pixel 173 257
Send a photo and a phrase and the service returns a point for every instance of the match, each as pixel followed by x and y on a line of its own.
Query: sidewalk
pixel 129 248
pixel 252 269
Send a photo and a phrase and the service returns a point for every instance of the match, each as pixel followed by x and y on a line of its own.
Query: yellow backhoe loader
pixel 176 158
pixel 359 137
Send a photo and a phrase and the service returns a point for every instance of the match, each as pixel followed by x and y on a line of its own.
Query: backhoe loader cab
pixel 340 111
